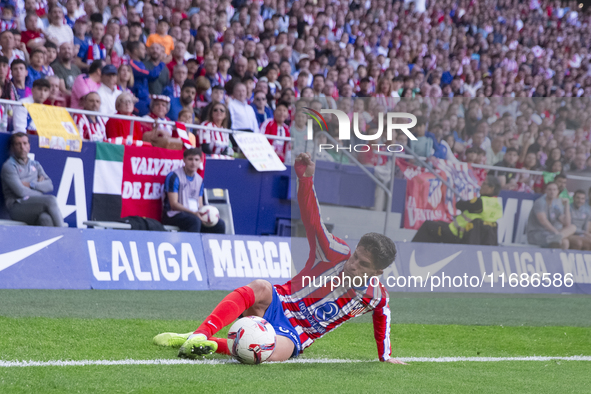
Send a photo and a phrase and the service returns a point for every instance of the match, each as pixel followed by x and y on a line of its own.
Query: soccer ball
pixel 251 340
pixel 211 215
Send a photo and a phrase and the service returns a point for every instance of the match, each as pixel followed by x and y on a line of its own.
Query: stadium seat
pixel 220 198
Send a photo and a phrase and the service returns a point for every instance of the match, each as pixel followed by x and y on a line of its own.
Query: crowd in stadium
pixel 496 82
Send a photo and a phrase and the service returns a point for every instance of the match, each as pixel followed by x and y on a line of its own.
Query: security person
pixel 477 224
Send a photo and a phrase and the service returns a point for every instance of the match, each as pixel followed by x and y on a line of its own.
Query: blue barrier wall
pixel 67 258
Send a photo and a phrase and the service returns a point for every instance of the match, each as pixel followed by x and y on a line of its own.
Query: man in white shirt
pixel 57 31
pixel 242 114
pixel 108 90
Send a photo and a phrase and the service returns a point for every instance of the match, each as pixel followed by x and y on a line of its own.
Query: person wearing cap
pixel 108 91
pixel 153 133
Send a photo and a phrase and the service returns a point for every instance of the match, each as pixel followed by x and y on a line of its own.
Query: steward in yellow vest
pixel 477 224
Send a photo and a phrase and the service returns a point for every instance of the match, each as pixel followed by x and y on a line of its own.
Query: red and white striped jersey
pixel 91 131
pixel 217 140
pixel 270 127
pixel 315 311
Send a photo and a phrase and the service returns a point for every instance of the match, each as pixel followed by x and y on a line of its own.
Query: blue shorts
pixel 274 315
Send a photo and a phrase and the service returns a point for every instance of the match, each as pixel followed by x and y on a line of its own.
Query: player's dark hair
pixel 193 152
pixel 3 60
pixel 132 46
pixel 96 17
pixel 561 176
pixel 14 136
pixel 41 83
pixel 494 182
pixel 381 248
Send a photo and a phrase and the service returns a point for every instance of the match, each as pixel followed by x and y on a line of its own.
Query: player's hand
pixel 565 201
pixel 394 361
pixel 304 166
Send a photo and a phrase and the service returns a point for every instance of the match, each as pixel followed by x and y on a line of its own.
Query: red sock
pixel 222 346
pixel 227 311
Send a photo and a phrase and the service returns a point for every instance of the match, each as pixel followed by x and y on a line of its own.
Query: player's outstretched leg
pixel 252 300
pixel 171 339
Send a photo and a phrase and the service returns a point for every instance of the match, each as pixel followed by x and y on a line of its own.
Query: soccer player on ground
pixel 300 312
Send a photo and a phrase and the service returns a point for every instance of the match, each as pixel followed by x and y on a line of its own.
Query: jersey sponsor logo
pixel 9 259
pixel 236 258
pixel 326 311
pixel 431 269
pixel 163 260
pixel 313 322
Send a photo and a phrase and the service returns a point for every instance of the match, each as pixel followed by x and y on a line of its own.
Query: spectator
pixel 179 76
pixel 423 146
pixel 35 69
pixel 57 31
pixel 9 48
pixel 22 120
pixel 579 164
pixel 549 222
pixel 580 216
pixel 183 196
pixel 19 72
pixel 116 128
pixel 108 91
pixel 56 98
pixel 242 114
pixel 277 127
pixel 91 127
pixel 261 110
pixel 178 56
pixel 64 69
pixel 184 102
pixel 211 141
pixel 125 78
pixel 218 95
pixel 161 37
pixel 33 36
pixel 142 76
pixel 495 152
pixel 155 57
pixel 24 184
pixel 86 83
pixel 560 181
pixel 96 49
pixel 507 179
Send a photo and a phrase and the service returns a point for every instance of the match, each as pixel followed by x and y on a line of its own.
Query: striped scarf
pixel 96 52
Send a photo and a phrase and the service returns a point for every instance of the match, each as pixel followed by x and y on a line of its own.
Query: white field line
pixel 71 363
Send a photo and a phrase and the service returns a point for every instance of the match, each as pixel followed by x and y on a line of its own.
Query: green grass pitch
pixel 52 325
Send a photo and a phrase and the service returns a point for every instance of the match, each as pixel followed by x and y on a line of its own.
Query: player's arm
pixel 321 241
pixel 381 329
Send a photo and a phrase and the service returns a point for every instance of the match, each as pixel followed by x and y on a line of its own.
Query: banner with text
pixel 55 127
pixel 427 198
pixel 129 180
pixel 64 258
